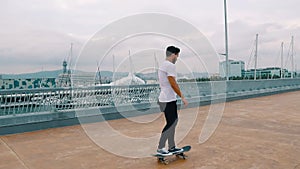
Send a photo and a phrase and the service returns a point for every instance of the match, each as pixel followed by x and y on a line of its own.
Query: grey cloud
pixel 40 32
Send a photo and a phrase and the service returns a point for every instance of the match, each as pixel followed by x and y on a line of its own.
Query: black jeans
pixel 171 116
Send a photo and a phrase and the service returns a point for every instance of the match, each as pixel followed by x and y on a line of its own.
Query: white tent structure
pixel 131 79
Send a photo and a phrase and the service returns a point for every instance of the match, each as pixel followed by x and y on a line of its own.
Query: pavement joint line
pixel 14 153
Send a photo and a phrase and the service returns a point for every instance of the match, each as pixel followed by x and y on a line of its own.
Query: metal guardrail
pixel 22 101
pixel 14 102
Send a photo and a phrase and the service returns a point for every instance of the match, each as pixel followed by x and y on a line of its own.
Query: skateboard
pixel 181 155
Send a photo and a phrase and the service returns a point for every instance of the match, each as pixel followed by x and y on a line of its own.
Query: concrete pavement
pixel 257 133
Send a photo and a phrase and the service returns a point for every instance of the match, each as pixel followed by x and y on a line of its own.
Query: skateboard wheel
pixel 182 156
pixel 163 161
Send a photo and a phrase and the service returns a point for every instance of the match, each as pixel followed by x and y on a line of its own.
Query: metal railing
pixel 14 102
pixel 22 101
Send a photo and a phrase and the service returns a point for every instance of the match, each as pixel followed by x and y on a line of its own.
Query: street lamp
pixel 226 41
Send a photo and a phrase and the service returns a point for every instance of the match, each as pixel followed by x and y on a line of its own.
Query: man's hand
pixel 185 102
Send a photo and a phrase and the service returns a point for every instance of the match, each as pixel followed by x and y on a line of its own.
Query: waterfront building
pixel 266 73
pixel 236 68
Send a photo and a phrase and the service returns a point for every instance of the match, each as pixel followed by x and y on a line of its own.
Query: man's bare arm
pixel 174 85
pixel 176 88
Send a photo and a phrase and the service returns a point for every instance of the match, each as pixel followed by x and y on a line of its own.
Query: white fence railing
pixel 14 102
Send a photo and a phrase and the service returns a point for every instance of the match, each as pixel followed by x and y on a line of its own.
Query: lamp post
pixel 226 42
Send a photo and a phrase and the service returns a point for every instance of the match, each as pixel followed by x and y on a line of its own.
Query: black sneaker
pixel 175 150
pixel 163 152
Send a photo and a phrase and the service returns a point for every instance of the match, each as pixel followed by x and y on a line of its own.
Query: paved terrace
pixel 255 133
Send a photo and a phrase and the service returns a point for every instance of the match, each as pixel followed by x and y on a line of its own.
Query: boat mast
pixel 155 67
pixel 70 58
pixel 99 73
pixel 296 70
pixel 281 69
pixel 293 68
pixel 113 64
pixel 131 66
pixel 255 57
pixel 114 70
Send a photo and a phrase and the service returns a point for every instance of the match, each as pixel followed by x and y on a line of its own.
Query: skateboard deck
pixel 161 158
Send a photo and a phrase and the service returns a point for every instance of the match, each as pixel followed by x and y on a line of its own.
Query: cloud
pixel 242 37
pixel 35 33
pixel 35 48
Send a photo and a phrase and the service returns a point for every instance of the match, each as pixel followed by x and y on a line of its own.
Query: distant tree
pixel 202 79
pixel 236 78
pixel 217 78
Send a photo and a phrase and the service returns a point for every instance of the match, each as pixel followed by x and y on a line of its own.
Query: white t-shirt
pixel 167 94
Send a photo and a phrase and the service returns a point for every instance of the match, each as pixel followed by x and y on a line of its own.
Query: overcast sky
pixel 36 34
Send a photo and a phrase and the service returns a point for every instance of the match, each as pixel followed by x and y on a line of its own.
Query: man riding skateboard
pixel 167 101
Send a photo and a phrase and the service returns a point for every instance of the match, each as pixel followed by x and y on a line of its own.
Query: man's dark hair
pixel 172 50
